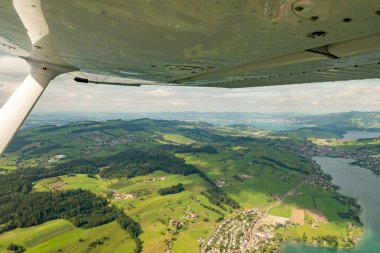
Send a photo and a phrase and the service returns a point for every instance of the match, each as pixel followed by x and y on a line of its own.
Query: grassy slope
pixel 61 234
pixel 177 138
pixel 253 191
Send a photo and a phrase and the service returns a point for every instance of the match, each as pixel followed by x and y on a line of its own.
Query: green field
pixel 317 199
pixel 177 138
pixel 330 229
pixel 149 208
pixel 281 210
pixel 252 192
pixel 97 186
pixel 8 163
pixel 62 236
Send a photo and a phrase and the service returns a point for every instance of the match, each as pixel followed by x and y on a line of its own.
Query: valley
pixel 225 171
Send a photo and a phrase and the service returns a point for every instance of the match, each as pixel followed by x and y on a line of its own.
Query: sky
pixel 65 95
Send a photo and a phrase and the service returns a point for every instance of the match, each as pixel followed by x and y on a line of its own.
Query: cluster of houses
pixel 321 180
pixel 275 196
pixel 363 158
pixel 190 215
pixel 263 235
pixel 176 223
pixel 101 141
pixel 251 230
pixel 233 234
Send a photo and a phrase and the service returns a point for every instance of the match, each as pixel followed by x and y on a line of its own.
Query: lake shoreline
pixel 346 177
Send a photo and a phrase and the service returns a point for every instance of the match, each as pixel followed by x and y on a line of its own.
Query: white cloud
pixel 13 66
pixel 178 103
pixel 161 92
pixel 63 94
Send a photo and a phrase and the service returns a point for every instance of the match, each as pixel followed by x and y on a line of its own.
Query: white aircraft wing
pixel 219 43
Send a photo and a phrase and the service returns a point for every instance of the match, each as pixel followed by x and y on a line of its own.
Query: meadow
pixel 62 236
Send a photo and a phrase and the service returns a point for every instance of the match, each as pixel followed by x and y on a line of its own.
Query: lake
pixel 355 135
pixel 359 183
pixel 277 126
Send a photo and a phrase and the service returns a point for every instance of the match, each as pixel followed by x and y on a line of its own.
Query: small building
pixel 314 225
pixel 220 182
pixel 175 223
pixel 56 158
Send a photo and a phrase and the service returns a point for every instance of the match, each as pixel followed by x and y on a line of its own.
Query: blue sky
pixel 63 94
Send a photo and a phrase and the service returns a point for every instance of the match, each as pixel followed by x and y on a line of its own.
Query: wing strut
pixel 16 109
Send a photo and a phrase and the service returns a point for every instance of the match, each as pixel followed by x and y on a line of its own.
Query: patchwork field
pixel 151 210
pixel 124 162
pixel 298 216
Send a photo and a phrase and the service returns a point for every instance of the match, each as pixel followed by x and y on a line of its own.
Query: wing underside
pixel 200 43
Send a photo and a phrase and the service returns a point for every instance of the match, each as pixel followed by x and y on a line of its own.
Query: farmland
pixel 126 163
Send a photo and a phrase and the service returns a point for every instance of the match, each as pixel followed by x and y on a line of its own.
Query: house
pixel 191 215
pixel 56 158
pixel 220 182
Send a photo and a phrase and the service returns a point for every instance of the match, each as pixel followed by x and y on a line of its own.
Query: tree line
pixel 172 189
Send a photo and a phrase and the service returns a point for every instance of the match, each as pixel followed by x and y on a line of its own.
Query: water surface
pixel 355 135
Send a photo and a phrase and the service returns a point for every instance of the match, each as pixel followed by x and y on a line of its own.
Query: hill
pixel 346 121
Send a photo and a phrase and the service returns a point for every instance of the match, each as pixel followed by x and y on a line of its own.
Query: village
pixel 245 231
pixel 366 159
pixel 255 230
pixel 101 140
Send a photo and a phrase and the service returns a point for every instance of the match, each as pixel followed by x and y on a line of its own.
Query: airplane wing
pixel 218 43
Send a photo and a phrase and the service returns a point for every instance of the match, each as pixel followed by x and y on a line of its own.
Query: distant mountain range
pixel 342 121
pixel 346 121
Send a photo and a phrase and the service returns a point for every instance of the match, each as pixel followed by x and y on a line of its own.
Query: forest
pixel 21 207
